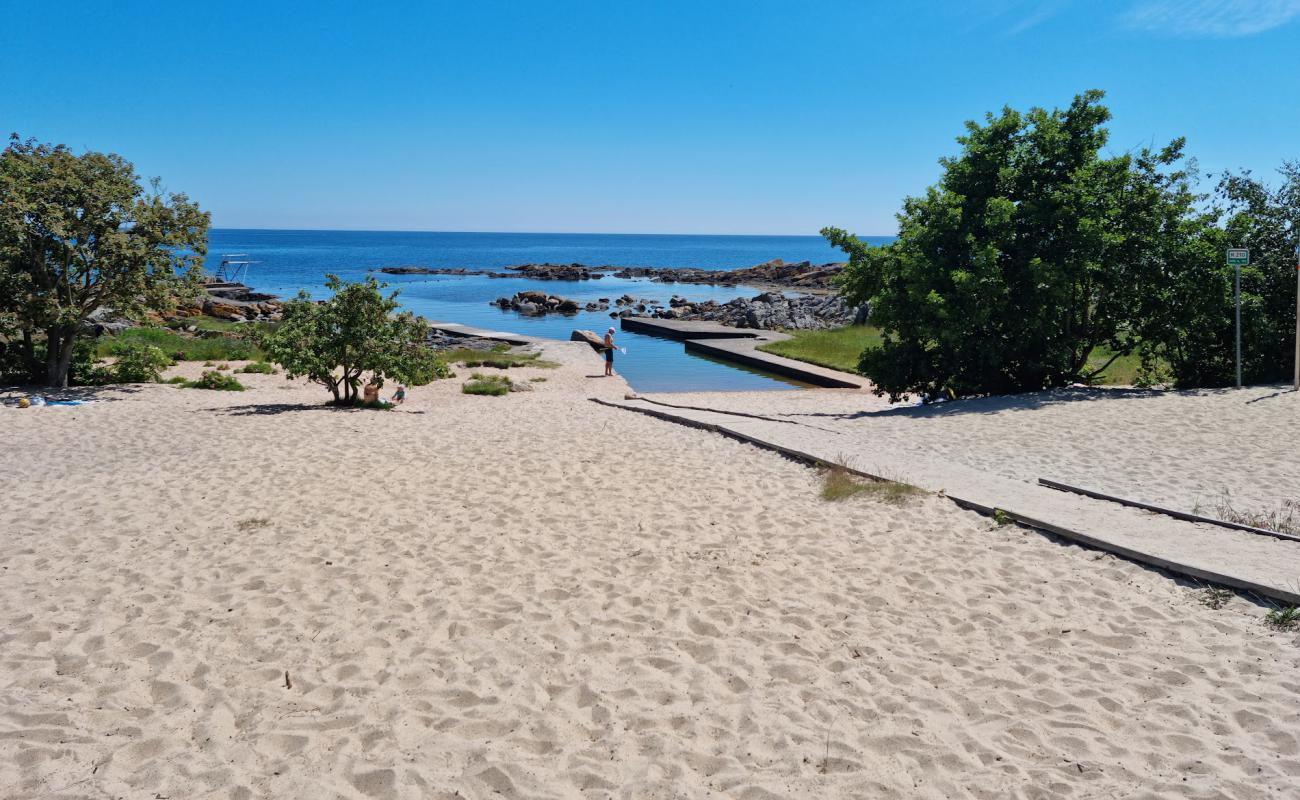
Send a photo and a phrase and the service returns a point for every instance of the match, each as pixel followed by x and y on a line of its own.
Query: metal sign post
pixel 1238 257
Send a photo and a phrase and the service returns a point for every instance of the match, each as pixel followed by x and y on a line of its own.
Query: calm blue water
pixel 294 260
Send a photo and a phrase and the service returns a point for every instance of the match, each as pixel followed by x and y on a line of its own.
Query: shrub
pixel 1283 619
pixel 258 368
pixel 140 363
pixel 491 385
pixel 496 359
pixel 211 379
pixel 1035 248
pixel 182 347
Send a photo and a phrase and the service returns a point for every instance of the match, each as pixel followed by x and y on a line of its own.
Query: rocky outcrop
pixel 769 311
pixel 777 273
pixel 553 272
pixel 435 271
pixel 799 275
pixel 534 303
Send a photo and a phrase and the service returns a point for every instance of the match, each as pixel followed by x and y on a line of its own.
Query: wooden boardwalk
pixel 1267 566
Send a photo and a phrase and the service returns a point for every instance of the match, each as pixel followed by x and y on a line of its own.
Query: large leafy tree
pixel 336 341
pixel 1033 249
pixel 1196 334
pixel 79 233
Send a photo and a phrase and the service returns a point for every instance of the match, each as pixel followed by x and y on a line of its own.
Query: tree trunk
pixel 29 354
pixel 58 355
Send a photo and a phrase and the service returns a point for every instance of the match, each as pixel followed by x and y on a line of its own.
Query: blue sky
pixel 681 117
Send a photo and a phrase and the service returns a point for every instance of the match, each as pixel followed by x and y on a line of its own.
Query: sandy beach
pixel 240 595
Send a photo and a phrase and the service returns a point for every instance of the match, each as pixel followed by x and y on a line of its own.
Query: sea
pixel 289 261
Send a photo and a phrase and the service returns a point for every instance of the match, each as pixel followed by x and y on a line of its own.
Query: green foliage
pixel 1192 321
pixel 211 379
pixel 1031 252
pixel 493 385
pixel 1283 619
pixel 1126 369
pixel 78 233
pixel 182 347
pixel 355 331
pixel 836 348
pixel 140 363
pixel 259 368
pixel 1001 517
pixel 497 359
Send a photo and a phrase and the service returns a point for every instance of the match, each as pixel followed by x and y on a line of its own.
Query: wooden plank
pixel 1065 487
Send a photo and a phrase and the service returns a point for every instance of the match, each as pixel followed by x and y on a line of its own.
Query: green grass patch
pixel 216 381
pixel 840 348
pixel 180 346
pixel 495 359
pixel 840 484
pixel 836 348
pixel 490 385
pixel 1123 371
pixel 258 368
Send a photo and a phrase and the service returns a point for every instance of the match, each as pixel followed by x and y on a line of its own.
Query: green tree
pixel 336 341
pixel 80 232
pixel 1031 251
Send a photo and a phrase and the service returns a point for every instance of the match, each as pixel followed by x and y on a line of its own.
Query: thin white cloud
pixel 1037 17
pixel 1214 18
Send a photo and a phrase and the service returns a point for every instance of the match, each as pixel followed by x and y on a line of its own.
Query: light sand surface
pixel 535 596
pixel 1181 450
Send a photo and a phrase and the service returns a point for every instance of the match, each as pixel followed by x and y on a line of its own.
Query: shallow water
pixel 289 261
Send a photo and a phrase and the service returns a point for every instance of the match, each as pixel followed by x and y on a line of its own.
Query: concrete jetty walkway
pixel 740 345
pixel 1260 564
pixel 467 331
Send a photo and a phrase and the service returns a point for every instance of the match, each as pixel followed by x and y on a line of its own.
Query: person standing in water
pixel 609 352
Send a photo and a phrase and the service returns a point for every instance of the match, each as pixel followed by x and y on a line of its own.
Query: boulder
pixel 590 337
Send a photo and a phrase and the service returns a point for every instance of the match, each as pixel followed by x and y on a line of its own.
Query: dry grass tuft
pixel 1283 519
pixel 840 484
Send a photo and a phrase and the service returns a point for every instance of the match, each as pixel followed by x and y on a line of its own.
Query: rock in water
pixel 590 337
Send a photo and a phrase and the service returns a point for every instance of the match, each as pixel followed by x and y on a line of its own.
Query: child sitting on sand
pixel 399 396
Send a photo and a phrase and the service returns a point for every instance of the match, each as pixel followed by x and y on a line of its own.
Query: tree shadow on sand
pixel 106 393
pixel 1015 402
pixel 272 409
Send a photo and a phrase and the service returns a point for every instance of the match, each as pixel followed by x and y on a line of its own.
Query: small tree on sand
pixel 355 331
pixel 79 232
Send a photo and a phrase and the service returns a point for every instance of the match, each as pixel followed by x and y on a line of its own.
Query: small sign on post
pixel 1238 257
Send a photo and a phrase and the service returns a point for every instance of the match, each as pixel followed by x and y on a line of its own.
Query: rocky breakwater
pixel 769 311
pixel 553 272
pixel 234 302
pixel 537 272
pixel 536 304
pixel 799 275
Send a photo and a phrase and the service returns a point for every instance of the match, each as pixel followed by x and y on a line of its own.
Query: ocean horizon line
pixel 547 233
